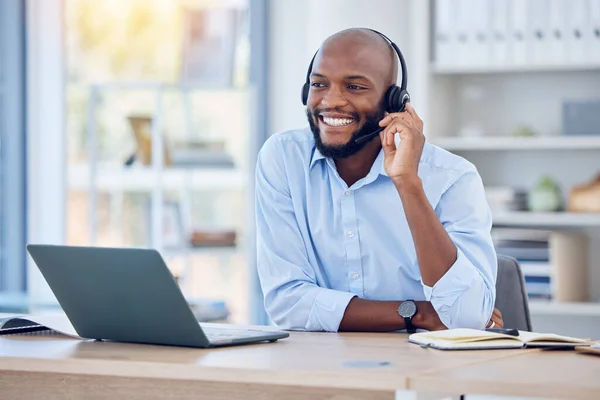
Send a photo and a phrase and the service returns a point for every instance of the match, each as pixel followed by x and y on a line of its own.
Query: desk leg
pixel 413 395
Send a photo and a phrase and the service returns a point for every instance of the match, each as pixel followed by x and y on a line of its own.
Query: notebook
pixel 37 324
pixel 473 339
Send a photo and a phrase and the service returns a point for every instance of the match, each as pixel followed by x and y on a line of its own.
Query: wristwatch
pixel 407 310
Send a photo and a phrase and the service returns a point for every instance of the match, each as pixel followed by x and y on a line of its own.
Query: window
pixel 12 152
pixel 183 68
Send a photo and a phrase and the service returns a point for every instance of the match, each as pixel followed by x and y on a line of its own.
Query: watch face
pixel 407 309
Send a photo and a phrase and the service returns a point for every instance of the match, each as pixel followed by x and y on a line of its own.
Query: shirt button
pixel 350 234
pixel 354 275
pixel 348 193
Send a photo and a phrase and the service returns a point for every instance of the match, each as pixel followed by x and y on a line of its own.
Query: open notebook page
pixel 56 322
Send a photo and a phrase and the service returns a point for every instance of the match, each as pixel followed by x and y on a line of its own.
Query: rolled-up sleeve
pixel 464 297
pixel 292 298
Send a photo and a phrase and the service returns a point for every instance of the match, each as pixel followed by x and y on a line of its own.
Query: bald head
pixel 369 50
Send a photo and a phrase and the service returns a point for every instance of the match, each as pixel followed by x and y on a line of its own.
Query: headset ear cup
pixel 392 99
pixel 403 98
pixel 389 99
pixel 305 89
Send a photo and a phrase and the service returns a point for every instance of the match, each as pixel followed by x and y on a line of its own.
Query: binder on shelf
pixel 463 34
pixel 531 248
pixel 576 14
pixel 538 32
pixel 478 23
pixel 557 32
pixel 594 38
pixel 499 36
pixel 444 33
pixel 518 17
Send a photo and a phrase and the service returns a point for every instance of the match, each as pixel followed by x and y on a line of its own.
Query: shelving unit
pixel 546 219
pixel 203 250
pixel 111 177
pixel 519 143
pixel 159 181
pixel 499 100
pixel 507 69
pixel 556 309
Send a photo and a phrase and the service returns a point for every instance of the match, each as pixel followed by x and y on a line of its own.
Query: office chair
pixel 511 294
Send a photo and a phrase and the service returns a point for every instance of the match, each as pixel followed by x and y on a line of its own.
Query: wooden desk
pixel 305 365
pixel 547 374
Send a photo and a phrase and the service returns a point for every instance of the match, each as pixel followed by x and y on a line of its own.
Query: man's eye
pixel 355 87
pixel 317 84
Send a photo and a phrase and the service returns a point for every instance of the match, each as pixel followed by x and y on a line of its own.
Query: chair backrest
pixel 511 295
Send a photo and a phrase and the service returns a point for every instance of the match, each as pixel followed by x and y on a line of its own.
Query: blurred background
pixel 137 123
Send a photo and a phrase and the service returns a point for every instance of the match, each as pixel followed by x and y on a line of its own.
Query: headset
pixel 395 97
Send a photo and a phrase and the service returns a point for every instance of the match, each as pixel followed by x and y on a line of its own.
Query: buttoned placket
pixel 351 243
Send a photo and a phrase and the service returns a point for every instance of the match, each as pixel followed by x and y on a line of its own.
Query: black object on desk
pixel 506 331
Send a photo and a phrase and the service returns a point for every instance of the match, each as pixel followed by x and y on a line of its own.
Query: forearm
pixel 436 252
pixel 382 316
pixel 372 316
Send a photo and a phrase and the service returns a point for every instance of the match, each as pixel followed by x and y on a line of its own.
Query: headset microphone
pixel 395 98
pixel 368 136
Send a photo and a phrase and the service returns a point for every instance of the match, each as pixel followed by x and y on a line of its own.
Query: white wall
pixel 298 27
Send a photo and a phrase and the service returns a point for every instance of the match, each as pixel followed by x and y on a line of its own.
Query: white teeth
pixel 337 121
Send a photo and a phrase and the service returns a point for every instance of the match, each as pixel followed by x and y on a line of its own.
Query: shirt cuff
pixel 328 310
pixel 446 291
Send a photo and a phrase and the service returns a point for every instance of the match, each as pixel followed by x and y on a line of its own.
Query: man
pixel 352 236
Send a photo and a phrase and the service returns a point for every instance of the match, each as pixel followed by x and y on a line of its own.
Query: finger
pixel 406 118
pixel 388 148
pixel 494 323
pixel 410 121
pixel 390 131
pixel 389 118
pixel 496 317
pixel 386 120
pixel 387 137
pixel 497 313
pixel 497 320
pixel 411 111
pixel 404 128
pixel 499 323
pixel 391 135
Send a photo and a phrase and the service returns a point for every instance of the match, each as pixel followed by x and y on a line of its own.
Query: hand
pixel 402 161
pixel 496 320
pixel 427 318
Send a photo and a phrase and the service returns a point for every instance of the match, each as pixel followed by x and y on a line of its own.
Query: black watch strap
pixel 410 328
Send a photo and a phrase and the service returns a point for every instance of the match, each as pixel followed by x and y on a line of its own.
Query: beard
pixel 351 147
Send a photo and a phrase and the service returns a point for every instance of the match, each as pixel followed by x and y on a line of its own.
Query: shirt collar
pixel 378 164
pixel 315 157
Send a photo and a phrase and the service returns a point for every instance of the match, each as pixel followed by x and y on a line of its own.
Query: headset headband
pixel 404 81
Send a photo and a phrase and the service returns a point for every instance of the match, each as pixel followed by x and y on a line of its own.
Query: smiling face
pixel 350 75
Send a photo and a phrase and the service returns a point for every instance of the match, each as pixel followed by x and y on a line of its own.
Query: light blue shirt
pixel 320 242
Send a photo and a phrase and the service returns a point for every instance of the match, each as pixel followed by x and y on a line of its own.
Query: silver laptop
pixel 129 295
